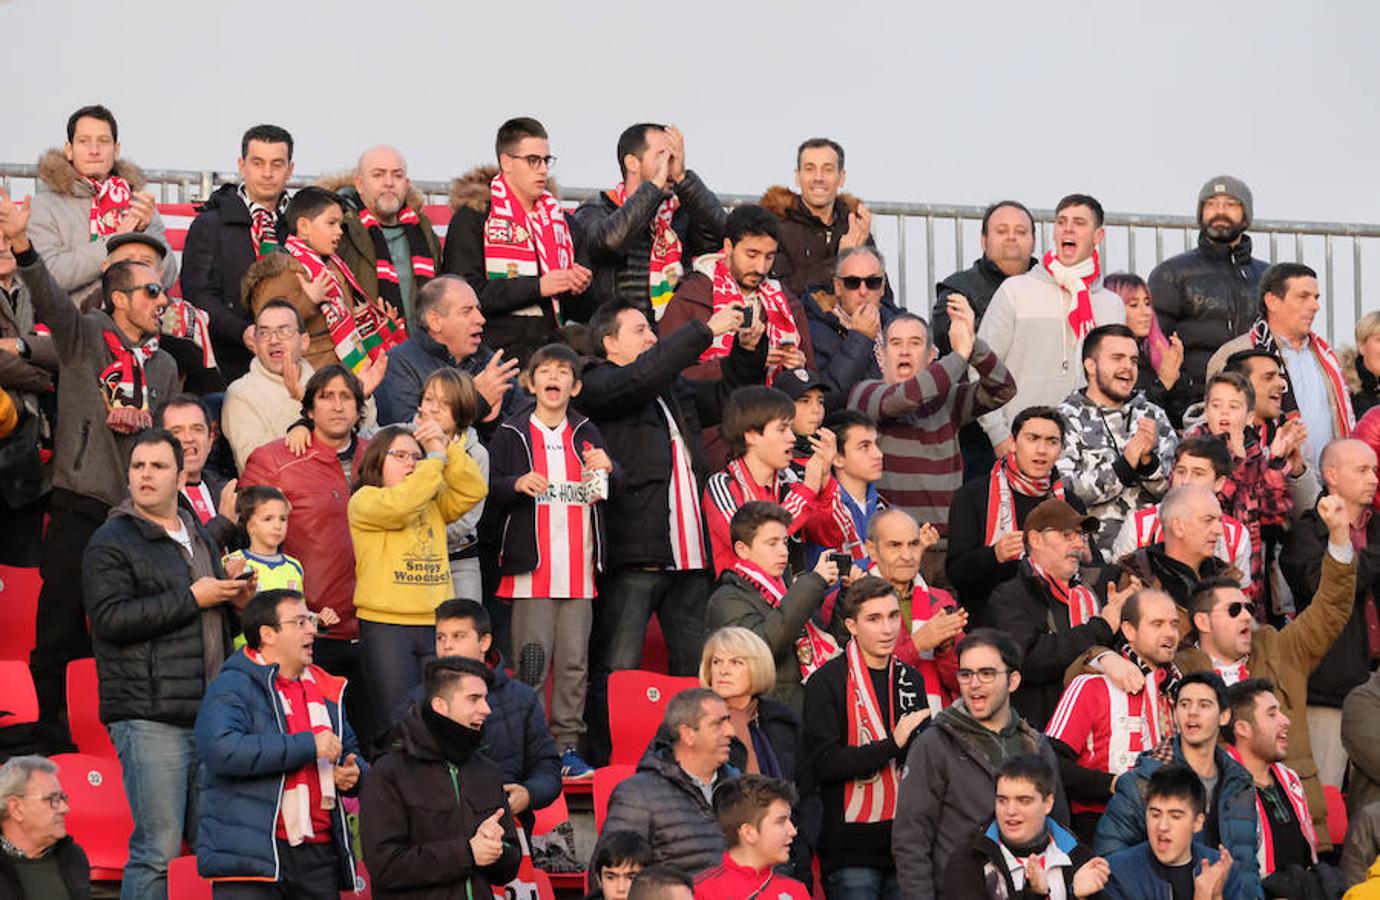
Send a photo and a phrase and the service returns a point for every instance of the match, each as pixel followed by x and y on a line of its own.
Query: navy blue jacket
pixel 245 754
pixel 410 364
pixel 1133 877
pixel 842 357
pixel 1123 824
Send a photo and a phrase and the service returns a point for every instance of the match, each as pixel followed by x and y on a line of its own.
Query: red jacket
pixel 318 525
pixel 730 881
pixel 1368 430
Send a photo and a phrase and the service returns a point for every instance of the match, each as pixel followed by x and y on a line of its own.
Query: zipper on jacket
pixel 81 445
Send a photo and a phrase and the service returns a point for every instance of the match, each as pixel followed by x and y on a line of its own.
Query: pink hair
pixel 1125 284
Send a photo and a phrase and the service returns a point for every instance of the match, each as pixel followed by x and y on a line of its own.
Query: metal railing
pixel 949 238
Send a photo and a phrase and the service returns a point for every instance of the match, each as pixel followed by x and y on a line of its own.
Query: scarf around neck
pixel 423 264
pixel 870 799
pixel 1343 418
pixel 123 382
pixel 359 330
pixel 1006 480
pixel 456 742
pixel 776 308
pixel 1077 597
pixel 109 201
pixel 813 646
pixel 665 268
pixel 263 222
pixel 1077 282
pixel 522 244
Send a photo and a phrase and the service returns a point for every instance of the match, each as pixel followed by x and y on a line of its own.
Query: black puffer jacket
pixel 616 242
pixel 1209 295
pixel 145 624
pixel 217 254
pixel 977 284
pixel 662 804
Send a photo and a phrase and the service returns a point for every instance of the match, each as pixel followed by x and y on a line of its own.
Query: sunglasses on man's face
pixel 153 289
pixel 853 282
pixel 1234 609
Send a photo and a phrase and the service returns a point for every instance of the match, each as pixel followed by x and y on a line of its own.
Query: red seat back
pixel 531 883
pixel 183 881
pixel 544 820
pixel 84 710
pixel 640 699
pixel 99 821
pixel 18 700
pixel 605 780
pixel 1336 814
pixel 18 607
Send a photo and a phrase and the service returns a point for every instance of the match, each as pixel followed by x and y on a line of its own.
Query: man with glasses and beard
pixel 949 785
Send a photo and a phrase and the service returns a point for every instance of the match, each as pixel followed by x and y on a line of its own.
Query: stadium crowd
pixel 1064 589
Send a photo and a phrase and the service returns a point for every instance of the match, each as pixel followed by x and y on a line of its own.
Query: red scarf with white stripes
pixel 1076 281
pixel 813 647
pixel 1078 597
pixel 521 244
pixel 665 268
pixel 297 789
pixel 1298 801
pixel 1343 417
pixel 181 319
pixel 123 383
pixel 775 307
pixel 109 202
pixel 423 264
pixel 1005 479
pixel 870 799
pixel 359 330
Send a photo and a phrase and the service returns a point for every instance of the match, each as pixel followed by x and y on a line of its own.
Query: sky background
pixel 963 103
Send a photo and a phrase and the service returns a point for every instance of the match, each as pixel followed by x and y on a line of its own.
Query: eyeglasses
pixel 153 289
pixel 1234 609
pixel 401 455
pixel 56 799
pixel 310 618
pixel 983 676
pixel 282 333
pixel 853 282
pixel 535 161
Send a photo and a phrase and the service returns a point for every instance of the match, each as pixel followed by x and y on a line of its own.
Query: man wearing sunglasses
pixel 34 828
pixel 113 375
pixel 846 314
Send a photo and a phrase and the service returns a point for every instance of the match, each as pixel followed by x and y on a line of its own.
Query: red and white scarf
pixel 665 269
pixel 263 222
pixel 1078 597
pixel 359 330
pixel 109 202
pixel 296 802
pixel 181 319
pixel 1298 800
pixel 813 646
pixel 1077 282
pixel 522 244
pixel 1001 504
pixel 1343 416
pixel 775 307
pixel 683 496
pixel 123 383
pixel 423 265
pixel 871 799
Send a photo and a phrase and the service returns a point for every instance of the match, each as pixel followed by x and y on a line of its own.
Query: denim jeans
pixel 393 657
pixel 159 763
pixel 627 600
pixel 862 883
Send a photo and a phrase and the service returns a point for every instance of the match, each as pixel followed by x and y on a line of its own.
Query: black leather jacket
pixel 1209 295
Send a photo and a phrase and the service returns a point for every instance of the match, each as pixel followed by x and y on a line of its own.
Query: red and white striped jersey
pixel 1108 727
pixel 565 521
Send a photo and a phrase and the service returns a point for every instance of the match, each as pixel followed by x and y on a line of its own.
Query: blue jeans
pixel 861 883
pixel 159 763
pixel 393 657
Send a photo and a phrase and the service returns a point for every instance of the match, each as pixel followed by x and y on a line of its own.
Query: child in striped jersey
pixel 549 476
pixel 263 514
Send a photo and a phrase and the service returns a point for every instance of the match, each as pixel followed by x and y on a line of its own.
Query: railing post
pixel 929 256
pixel 1131 249
pixel 901 260
pixel 1331 291
pixel 1356 276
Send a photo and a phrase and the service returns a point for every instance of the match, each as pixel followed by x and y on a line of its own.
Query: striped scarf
pixel 181 319
pixel 109 201
pixel 123 383
pixel 870 799
pixel 1081 601
pixel 359 330
pixel 683 501
pixel 521 244
pixel 813 646
pixel 665 269
pixel 296 801
pixel 263 222
pixel 1077 282
pixel 1293 790
pixel 423 263
pixel 1001 503
pixel 1343 418
pixel 775 307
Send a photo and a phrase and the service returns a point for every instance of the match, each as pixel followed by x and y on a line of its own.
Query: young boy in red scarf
pixel 755 814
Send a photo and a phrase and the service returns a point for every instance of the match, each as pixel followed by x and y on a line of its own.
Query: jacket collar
pixel 332 686
pixel 227 201
pixel 994 272
pixel 434 347
pixel 1239 255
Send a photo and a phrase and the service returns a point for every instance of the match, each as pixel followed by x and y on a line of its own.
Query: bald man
pixel 1349 473
pixel 389 243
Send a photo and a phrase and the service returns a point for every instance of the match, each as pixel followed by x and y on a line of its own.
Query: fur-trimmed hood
pixel 1346 358
pixel 781 201
pixel 471 190
pixel 269 266
pixel 60 176
pixel 345 179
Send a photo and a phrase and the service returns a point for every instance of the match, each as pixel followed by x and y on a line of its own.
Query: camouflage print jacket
pixel 1093 467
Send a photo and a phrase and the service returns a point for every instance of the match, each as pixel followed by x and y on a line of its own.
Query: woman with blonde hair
pixel 1362 365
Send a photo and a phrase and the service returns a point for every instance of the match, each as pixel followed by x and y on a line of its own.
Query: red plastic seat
pixel 183 881
pixel 544 820
pixel 18 700
pixel 84 710
pixel 1336 814
pixel 531 883
pixel 605 780
pixel 18 607
pixel 99 821
pixel 640 699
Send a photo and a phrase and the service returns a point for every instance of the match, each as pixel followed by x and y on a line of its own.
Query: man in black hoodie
pixel 434 822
